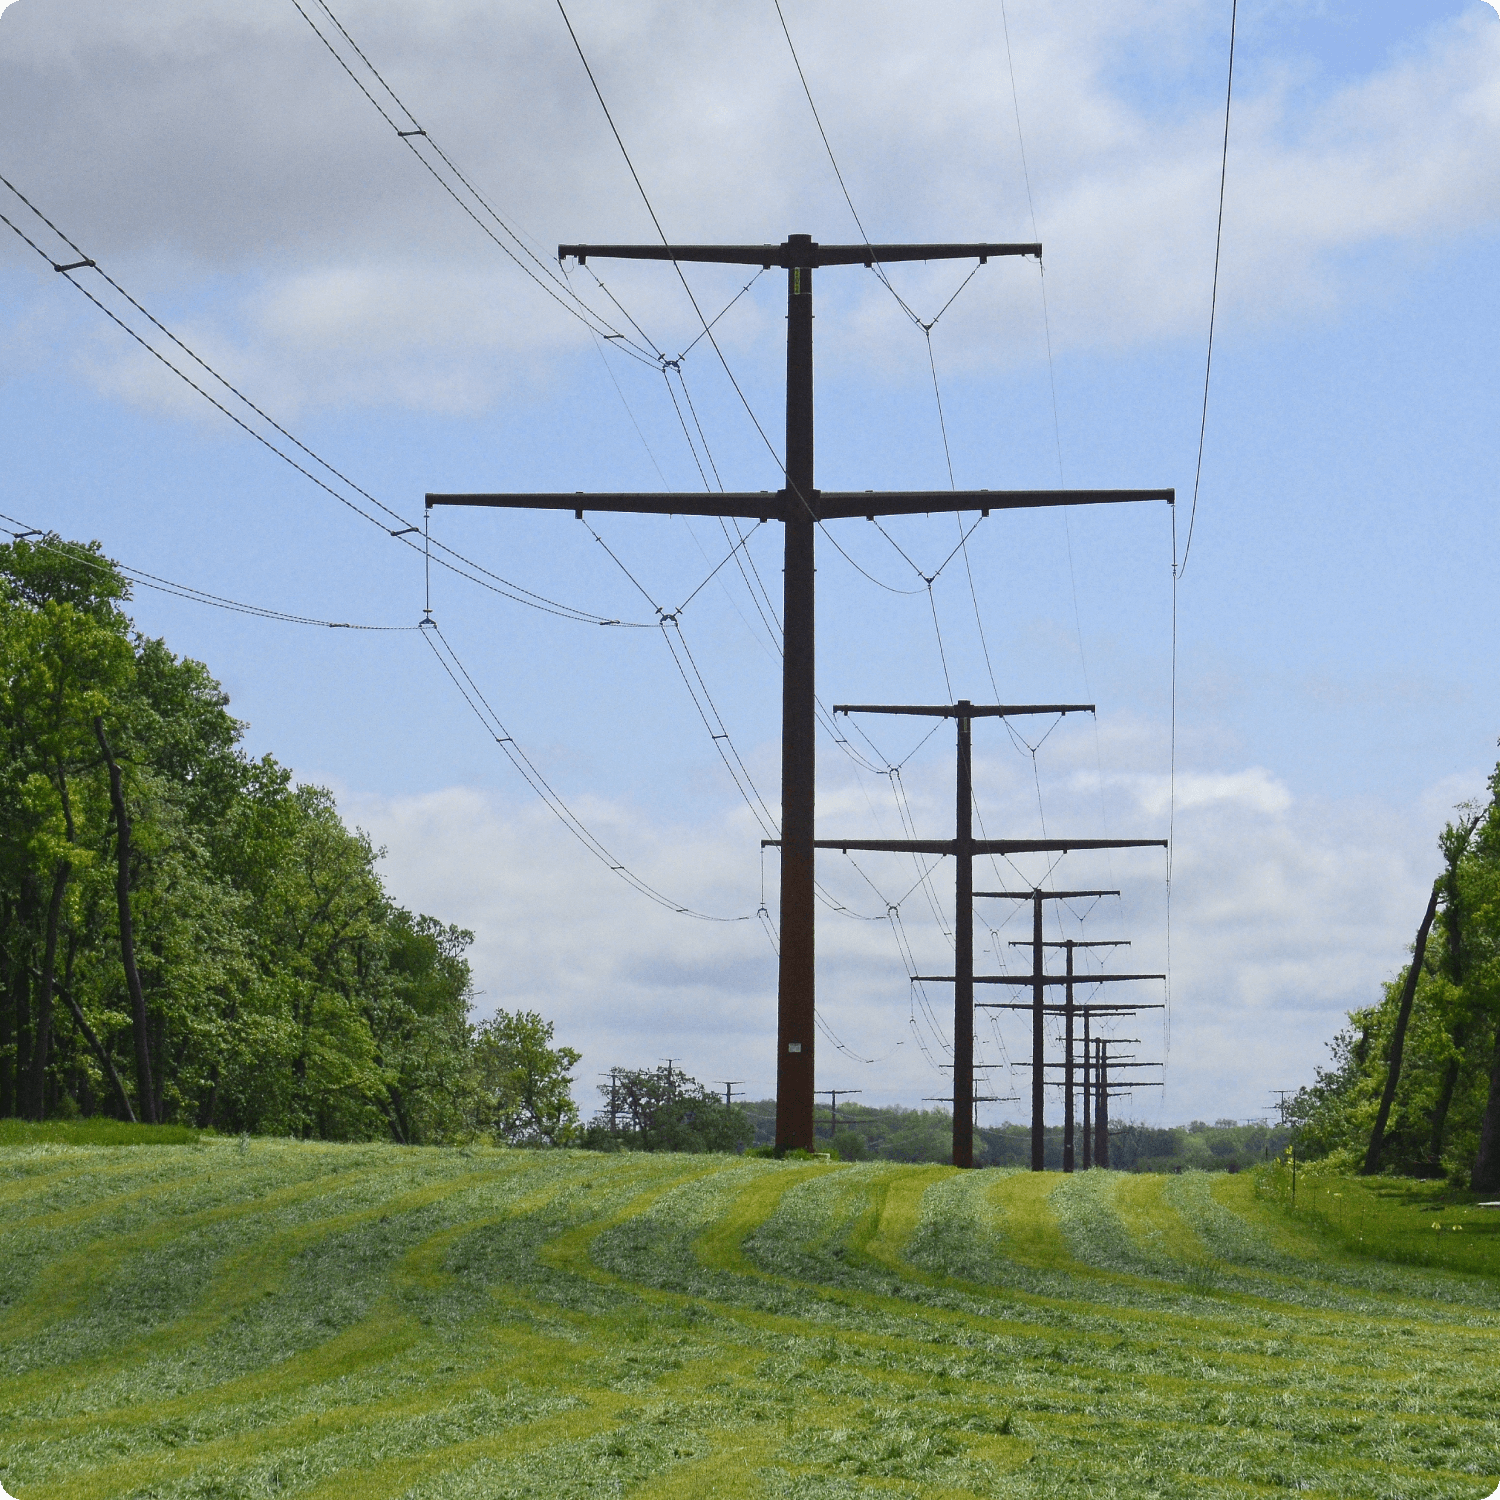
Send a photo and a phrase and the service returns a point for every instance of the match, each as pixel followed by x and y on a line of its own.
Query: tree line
pixel 188 935
pixel 1415 1082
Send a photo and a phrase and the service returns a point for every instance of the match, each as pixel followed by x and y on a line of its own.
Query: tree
pixel 214 931
pixel 1480 885
pixel 662 1109
pixel 1416 1081
pixel 524 1081
pixel 65 660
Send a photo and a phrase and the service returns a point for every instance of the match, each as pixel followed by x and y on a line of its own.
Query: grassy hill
pixel 266 1318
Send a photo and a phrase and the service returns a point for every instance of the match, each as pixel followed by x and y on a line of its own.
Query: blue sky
pixel 1336 674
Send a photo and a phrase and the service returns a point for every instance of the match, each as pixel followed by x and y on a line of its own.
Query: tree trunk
pixel 1398 1037
pixel 1486 1178
pixel 18 1073
pixel 143 1090
pixel 1455 967
pixel 105 1060
pixel 1445 1094
pixel 41 1039
pixel 16 991
pixel 206 1105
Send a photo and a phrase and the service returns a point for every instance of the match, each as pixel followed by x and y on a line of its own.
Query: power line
pixel 1178 566
pixel 505 587
pixel 487 716
pixel 543 275
pixel 640 187
pixel 1213 307
pixel 186 590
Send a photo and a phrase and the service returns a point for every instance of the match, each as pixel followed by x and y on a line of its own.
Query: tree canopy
pixel 1444 1066
pixel 187 934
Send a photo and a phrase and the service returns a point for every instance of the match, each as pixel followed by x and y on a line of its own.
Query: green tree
pixel 662 1109
pixel 65 661
pixel 525 1082
pixel 215 933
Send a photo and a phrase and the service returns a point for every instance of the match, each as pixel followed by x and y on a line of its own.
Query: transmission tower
pixel 801 507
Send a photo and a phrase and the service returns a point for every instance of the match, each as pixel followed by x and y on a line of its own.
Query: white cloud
pixel 231 144
pixel 1285 914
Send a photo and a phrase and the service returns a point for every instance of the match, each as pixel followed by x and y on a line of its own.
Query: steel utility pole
pixel 1038 983
pixel 963 847
pixel 1103 1092
pixel 801 507
pixel 1108 1091
pixel 1088 1142
pixel 1101 1104
pixel 1036 897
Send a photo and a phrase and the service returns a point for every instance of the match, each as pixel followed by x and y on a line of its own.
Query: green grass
pixel 246 1319
pixel 94 1133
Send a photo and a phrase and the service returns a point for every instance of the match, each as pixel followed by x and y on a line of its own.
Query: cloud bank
pixel 225 161
pixel 1284 915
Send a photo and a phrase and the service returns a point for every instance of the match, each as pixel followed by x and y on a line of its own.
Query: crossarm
pixel 825 505
pixel 842 505
pixel 787 256
pixel 1079 979
pixel 1094 1008
pixel 977 846
pixel 964 711
pixel 763 505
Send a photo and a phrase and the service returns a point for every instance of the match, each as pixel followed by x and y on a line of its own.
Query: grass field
pixel 263 1318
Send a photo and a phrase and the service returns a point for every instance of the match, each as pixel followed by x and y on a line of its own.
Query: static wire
pixel 1179 565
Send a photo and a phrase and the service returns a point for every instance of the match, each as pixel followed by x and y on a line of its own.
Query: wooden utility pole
pixel 1086 1011
pixel 963 847
pixel 1069 1010
pixel 1039 980
pixel 833 1107
pixel 801 507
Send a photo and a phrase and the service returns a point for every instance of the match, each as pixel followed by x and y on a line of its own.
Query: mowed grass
pixel 267 1318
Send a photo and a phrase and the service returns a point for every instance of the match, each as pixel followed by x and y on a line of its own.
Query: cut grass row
pixel 273 1318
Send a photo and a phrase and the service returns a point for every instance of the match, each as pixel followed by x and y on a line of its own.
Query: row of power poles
pixel 963 847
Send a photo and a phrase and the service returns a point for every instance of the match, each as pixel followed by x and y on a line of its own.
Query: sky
pixel 1336 671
